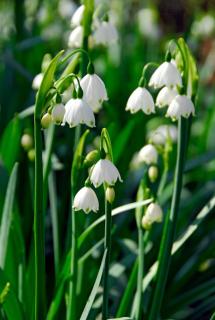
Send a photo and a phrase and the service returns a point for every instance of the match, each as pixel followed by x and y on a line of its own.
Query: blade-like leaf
pixel 7 215
pixel 94 291
pixel 115 211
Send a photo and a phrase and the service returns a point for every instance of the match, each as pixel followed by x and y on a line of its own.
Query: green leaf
pixel 77 161
pixel 121 141
pixel 10 305
pixel 10 143
pixel 94 291
pixel 46 84
pixel 115 211
pixel 106 143
pixel 7 216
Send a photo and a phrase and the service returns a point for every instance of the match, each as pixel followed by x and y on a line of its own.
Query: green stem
pixel 54 219
pixel 107 246
pixel 162 182
pixel 140 273
pixel 39 226
pixel 170 225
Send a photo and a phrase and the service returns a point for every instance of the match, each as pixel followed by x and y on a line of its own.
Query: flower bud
pixel 27 141
pixel 46 120
pixel 153 173
pixel 146 223
pixel 91 158
pixel 110 195
pixel 31 155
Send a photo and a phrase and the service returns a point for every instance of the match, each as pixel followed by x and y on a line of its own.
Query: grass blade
pixel 7 215
pixel 94 291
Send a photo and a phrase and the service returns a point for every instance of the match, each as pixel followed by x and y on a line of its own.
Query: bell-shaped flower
pixel 86 200
pixel 58 113
pixel 105 34
pixel 162 133
pixel 94 91
pixel 165 97
pixel 140 99
pixel 153 214
pixel 181 106
pixel 37 81
pixel 148 154
pixel 104 171
pixel 76 37
pixel 77 16
pixel 167 75
pixel 77 111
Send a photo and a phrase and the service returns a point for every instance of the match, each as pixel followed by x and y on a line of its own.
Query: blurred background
pixel 31 28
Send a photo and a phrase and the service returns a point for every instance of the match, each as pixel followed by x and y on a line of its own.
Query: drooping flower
pixel 153 214
pixel 140 99
pixel 94 91
pixel 166 75
pixel 77 16
pixel 181 106
pixel 165 97
pixel 86 200
pixel 37 81
pixel 58 113
pixel 77 111
pixel 76 37
pixel 105 34
pixel 104 171
pixel 162 133
pixel 148 154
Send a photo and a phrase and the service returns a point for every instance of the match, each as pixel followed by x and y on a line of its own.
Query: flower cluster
pixel 167 78
pixel 88 96
pixel 103 172
pixel 104 32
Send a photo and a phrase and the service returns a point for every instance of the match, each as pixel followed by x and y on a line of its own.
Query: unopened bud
pixel 46 120
pixel 146 223
pixel 110 194
pixel 27 141
pixel 91 158
pixel 153 173
pixel 31 155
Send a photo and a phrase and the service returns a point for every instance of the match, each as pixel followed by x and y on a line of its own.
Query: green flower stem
pixel 40 305
pixel 107 246
pixel 140 273
pixel 170 224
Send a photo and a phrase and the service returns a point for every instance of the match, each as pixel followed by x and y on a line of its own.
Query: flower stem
pixel 140 273
pixel 107 246
pixel 170 224
pixel 39 226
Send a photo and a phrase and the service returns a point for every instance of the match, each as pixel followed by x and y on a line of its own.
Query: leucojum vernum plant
pixel 69 95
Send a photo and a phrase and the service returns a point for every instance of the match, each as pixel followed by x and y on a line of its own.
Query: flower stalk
pixel 39 247
pixel 107 246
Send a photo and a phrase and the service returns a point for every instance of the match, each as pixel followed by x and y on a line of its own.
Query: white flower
pixel 154 213
pixel 148 154
pixel 77 16
pixel 162 133
pixel 77 111
pixel 104 171
pixel 140 99
pixel 86 200
pixel 94 91
pixel 105 34
pixel 181 106
pixel 58 113
pixel 165 97
pixel 76 37
pixel 166 75
pixel 37 81
pixel 147 23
